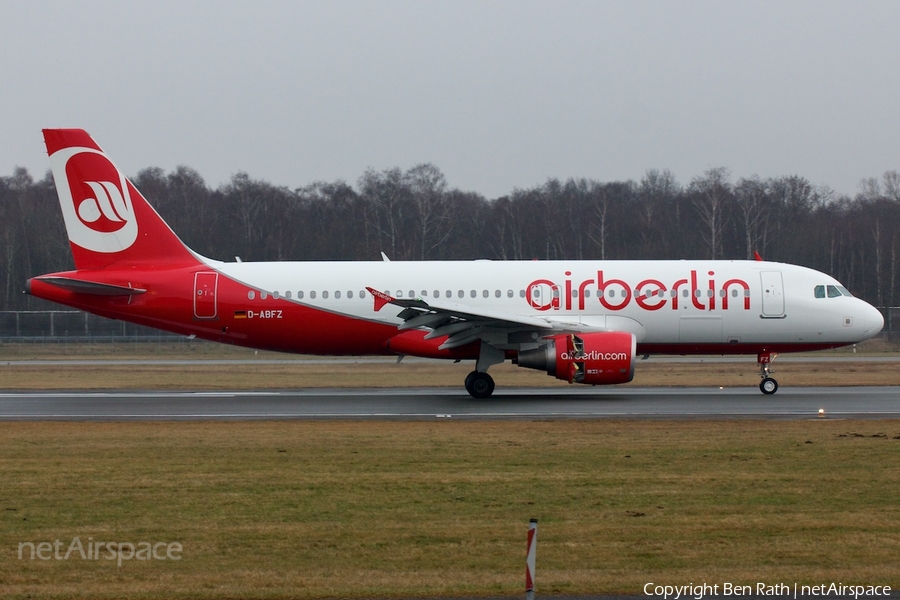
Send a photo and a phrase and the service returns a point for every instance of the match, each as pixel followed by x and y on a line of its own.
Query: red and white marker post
pixel 530 559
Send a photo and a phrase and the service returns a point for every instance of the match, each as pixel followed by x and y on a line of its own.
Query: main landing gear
pixel 768 385
pixel 479 385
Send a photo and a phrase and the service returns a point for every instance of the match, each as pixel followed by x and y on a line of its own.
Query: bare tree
pixel 711 193
pixel 656 194
pixel 751 197
pixel 891 181
pixel 507 239
pixel 433 215
pixel 388 193
pixel 600 226
pixel 870 188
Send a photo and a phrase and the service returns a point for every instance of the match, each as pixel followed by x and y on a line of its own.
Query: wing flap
pixel 462 338
pixel 436 314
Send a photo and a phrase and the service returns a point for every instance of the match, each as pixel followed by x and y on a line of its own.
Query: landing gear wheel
pixel 768 386
pixel 479 385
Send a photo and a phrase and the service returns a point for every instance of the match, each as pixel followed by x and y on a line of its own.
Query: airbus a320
pixel 579 321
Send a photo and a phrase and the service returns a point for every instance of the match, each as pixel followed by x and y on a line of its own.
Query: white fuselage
pixel 664 303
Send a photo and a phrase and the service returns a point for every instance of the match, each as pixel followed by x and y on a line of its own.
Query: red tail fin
pixel 107 219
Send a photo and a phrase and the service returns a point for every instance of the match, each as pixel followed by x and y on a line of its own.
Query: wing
pixel 462 323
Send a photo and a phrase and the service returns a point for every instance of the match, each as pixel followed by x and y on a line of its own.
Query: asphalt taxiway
pixel 448 403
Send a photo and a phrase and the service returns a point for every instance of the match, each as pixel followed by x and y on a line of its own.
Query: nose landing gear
pixel 768 385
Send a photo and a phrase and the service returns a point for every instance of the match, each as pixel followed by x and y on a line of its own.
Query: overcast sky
pixel 498 95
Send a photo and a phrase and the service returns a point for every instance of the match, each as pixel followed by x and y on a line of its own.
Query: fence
pixel 77 326
pixel 891 314
pixel 74 326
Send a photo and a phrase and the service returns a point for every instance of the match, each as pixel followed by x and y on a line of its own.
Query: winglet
pixel 757 256
pixel 380 298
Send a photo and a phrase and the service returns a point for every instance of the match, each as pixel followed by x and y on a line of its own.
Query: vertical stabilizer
pixel 108 221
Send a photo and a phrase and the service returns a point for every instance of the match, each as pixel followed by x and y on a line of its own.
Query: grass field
pixel 287 373
pixel 409 509
pixel 425 509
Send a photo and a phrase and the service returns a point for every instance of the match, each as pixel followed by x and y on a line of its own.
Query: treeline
pixel 417 215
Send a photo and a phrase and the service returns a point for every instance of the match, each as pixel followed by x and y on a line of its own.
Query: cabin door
pixel 205 287
pixel 772 294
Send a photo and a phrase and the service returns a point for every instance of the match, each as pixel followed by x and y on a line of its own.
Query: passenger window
pixel 312 295
pixel 734 293
pixel 337 295
pixel 833 292
pixel 287 294
pixel 325 295
pixel 350 294
pixel 521 293
pixel 461 294
pixel 485 293
pixel 412 293
pixel 449 294
pixel 684 293
pixel 362 294
pixel 251 295
pixel 509 293
pixel 300 295
pixel 819 291
pixel 587 293
pixel 497 293
pixel 263 295
pixel 437 294
pixel 472 293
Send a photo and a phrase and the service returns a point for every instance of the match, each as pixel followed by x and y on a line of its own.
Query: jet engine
pixel 600 358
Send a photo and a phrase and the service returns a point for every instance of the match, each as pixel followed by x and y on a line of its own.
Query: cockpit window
pixel 831 291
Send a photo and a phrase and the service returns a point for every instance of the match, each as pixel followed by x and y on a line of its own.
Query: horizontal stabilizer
pixel 90 287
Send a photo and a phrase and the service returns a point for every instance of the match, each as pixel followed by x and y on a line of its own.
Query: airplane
pixel 585 321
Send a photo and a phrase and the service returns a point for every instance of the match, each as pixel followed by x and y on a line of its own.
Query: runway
pixel 443 403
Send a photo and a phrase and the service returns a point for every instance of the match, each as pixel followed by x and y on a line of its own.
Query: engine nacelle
pixel 600 358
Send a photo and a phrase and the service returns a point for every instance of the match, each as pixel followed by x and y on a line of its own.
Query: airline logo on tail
pixel 95 200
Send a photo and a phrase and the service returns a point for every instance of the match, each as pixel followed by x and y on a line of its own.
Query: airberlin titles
pixel 648 294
